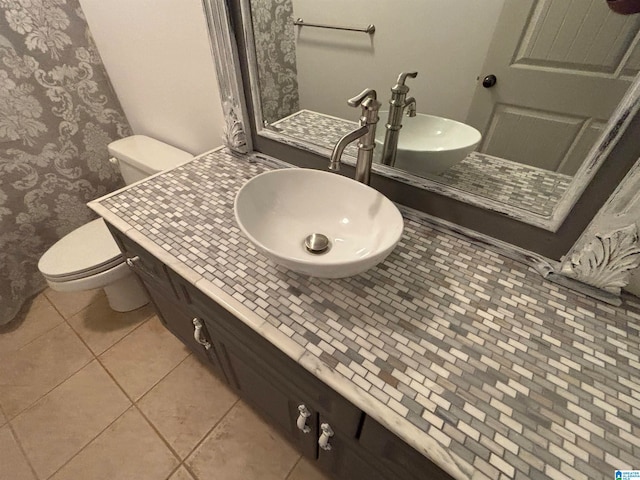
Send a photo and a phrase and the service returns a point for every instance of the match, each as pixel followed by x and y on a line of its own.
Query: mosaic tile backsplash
pixel 512 183
pixel 518 377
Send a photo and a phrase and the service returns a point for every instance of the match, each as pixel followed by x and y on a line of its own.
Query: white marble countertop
pixel 467 355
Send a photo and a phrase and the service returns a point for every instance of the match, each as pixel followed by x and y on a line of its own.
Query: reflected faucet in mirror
pixel 397 105
pixel 368 100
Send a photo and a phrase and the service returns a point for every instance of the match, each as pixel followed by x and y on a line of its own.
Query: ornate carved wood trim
pixel 236 135
pixel 606 261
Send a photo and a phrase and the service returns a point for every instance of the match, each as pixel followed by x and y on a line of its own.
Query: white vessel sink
pixel 429 144
pixel 278 210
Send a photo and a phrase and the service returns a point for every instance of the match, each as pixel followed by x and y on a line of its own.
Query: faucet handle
pixel 400 87
pixel 362 96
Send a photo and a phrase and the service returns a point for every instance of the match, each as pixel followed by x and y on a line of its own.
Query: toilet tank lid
pixel 147 154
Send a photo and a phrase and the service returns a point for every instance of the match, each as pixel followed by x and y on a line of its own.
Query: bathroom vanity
pixel 447 360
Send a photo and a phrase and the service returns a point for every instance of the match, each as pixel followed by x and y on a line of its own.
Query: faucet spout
pixel 397 105
pixel 336 155
pixel 368 100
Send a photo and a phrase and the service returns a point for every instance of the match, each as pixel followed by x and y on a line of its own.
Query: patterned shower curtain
pixel 58 113
pixel 276 57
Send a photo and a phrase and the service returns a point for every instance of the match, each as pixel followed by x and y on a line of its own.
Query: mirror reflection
pixel 509 96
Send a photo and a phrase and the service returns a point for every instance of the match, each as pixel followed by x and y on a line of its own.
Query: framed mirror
pixel 551 85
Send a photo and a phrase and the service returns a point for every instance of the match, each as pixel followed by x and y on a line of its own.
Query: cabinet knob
pixel 197 334
pixel 132 261
pixel 302 418
pixel 327 433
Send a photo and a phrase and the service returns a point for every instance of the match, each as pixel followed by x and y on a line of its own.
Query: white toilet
pixel 88 257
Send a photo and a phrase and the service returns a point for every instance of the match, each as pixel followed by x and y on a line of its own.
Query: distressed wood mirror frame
pixel 610 160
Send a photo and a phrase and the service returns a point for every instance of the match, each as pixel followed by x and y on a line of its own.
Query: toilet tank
pixel 139 156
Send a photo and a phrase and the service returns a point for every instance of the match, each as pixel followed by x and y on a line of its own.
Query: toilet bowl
pixel 89 258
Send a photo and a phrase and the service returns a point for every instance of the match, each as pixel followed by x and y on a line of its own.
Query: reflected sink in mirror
pixel 430 145
pixel 280 209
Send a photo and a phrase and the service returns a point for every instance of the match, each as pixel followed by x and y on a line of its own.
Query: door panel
pixel 567 71
pixel 548 137
pixel 560 34
pixel 632 65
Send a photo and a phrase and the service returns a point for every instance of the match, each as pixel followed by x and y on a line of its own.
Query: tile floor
pixel 90 394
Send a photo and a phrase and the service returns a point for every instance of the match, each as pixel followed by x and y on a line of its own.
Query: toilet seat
pixel 88 250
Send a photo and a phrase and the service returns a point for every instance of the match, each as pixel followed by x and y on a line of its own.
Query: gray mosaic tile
pixel 529 381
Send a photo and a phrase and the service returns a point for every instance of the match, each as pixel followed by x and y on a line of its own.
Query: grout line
pixel 41 334
pixel 132 403
pixel 22 450
pixel 165 376
pixel 140 324
pixel 74 314
pixel 293 468
pixel 174 471
pixel 32 404
pixel 190 470
pixel 206 435
pixel 93 439
pixel 153 426
pixel 160 436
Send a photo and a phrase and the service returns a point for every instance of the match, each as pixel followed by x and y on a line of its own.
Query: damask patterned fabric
pixel 276 58
pixel 58 113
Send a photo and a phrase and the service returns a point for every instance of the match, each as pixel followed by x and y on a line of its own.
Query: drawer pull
pixel 302 419
pixel 137 264
pixel 197 334
pixel 327 433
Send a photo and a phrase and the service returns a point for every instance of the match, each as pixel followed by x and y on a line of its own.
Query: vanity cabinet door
pixel 178 319
pixel 146 266
pixel 340 456
pixel 396 455
pixel 275 400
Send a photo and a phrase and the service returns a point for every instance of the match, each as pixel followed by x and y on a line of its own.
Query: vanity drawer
pixel 142 262
pixel 265 356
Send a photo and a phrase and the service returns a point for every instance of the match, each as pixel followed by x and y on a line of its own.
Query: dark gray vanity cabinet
pixel 323 425
pixel 164 296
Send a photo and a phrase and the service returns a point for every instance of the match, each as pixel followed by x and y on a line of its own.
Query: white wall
pixel 445 41
pixel 158 58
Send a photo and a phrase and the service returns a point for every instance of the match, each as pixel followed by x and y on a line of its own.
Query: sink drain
pixel 317 243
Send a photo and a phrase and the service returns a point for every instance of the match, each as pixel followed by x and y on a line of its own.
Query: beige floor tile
pixel 3 419
pixel 181 474
pixel 39 317
pixel 143 357
pixel 128 449
pixel 70 303
pixel 243 447
pixel 186 404
pixel 13 464
pixel 305 470
pixel 29 373
pixel 68 418
pixel 100 326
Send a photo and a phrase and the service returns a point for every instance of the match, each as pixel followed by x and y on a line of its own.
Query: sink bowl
pixel 278 210
pixel 429 144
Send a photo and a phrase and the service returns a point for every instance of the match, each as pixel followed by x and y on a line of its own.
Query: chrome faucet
pixel 398 103
pixel 368 100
